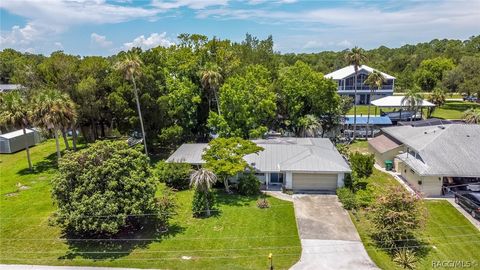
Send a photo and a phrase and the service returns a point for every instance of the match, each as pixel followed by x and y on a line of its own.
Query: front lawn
pixel 453 109
pixel 448 236
pixel 238 236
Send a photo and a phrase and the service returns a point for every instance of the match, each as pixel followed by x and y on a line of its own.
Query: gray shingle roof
pixel 279 154
pixel 450 150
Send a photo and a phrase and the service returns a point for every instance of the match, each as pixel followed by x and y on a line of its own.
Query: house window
pixel 276 177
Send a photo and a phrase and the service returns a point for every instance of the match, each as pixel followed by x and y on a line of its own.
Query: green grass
pixel 453 109
pixel 447 236
pixel 359 146
pixel 239 236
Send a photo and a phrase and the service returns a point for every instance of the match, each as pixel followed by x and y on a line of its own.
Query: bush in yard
pixel 396 215
pixel 347 198
pixel 200 200
pixel 248 184
pixel 365 197
pixel 362 164
pixel 175 175
pixel 100 189
pixel 406 258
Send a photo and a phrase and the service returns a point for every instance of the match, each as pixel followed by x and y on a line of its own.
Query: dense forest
pixel 202 86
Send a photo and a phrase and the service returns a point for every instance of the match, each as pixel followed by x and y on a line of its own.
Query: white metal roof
pixel 396 101
pixel 449 150
pixel 279 154
pixel 189 153
pixel 8 87
pixel 350 70
pixel 16 133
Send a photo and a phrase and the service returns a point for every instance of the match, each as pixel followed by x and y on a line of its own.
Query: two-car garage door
pixel 314 181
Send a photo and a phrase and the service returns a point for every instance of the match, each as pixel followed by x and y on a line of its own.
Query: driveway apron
pixel 329 238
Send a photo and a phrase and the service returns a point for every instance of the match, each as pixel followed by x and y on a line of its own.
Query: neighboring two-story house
pixel 345 78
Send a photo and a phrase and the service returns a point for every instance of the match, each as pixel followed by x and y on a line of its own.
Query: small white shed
pixel 15 141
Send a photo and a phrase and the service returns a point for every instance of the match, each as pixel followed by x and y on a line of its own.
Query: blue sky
pixel 104 27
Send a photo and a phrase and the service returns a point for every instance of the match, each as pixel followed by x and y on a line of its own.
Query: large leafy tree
pixel 103 188
pixel 247 103
pixel 375 80
pixel 431 72
pixel 15 111
pixel 303 91
pixel 356 57
pixel 224 157
pixel 130 66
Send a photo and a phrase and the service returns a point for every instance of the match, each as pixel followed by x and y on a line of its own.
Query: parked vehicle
pixel 470 98
pixel 470 201
pixel 473 187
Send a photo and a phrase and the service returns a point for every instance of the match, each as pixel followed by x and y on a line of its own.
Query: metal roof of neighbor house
pixel 8 87
pixel 279 154
pixel 16 133
pixel 350 70
pixel 429 122
pixel 397 102
pixel 374 120
pixel 383 144
pixel 189 153
pixel 450 150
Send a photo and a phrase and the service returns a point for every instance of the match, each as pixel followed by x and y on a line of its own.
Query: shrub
pixel 248 184
pixel 347 198
pixel 348 182
pixel 107 179
pixel 406 258
pixel 365 197
pixel 362 164
pixel 396 215
pixel 262 203
pixel 199 202
pixel 174 175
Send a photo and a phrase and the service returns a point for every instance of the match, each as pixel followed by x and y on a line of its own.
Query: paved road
pixel 329 238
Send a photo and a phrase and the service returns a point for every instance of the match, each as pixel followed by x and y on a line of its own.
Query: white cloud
pixel 193 4
pixel 48 18
pixel 58 45
pixel 100 41
pixel 154 40
pixel 258 2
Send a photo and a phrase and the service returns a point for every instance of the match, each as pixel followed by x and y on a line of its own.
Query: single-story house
pixel 15 141
pixel 431 158
pixel 299 164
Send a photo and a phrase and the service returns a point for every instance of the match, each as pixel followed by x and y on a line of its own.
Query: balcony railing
pixel 363 87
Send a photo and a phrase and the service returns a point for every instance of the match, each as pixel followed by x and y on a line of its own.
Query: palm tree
pixel 130 65
pixel 412 99
pixel 211 80
pixel 202 180
pixel 309 125
pixel 356 56
pixel 53 111
pixel 15 111
pixel 375 80
pixel 472 116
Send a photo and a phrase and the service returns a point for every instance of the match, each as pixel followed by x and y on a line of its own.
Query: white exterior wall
pixel 288 180
pixel 340 182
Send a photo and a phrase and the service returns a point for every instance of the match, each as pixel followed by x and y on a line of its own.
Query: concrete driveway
pixel 329 238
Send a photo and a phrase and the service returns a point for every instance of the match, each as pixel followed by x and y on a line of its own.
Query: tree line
pixel 202 86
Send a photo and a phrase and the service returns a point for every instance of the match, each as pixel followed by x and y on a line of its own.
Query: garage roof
pixel 449 150
pixel 383 144
pixel 279 154
pixel 16 133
